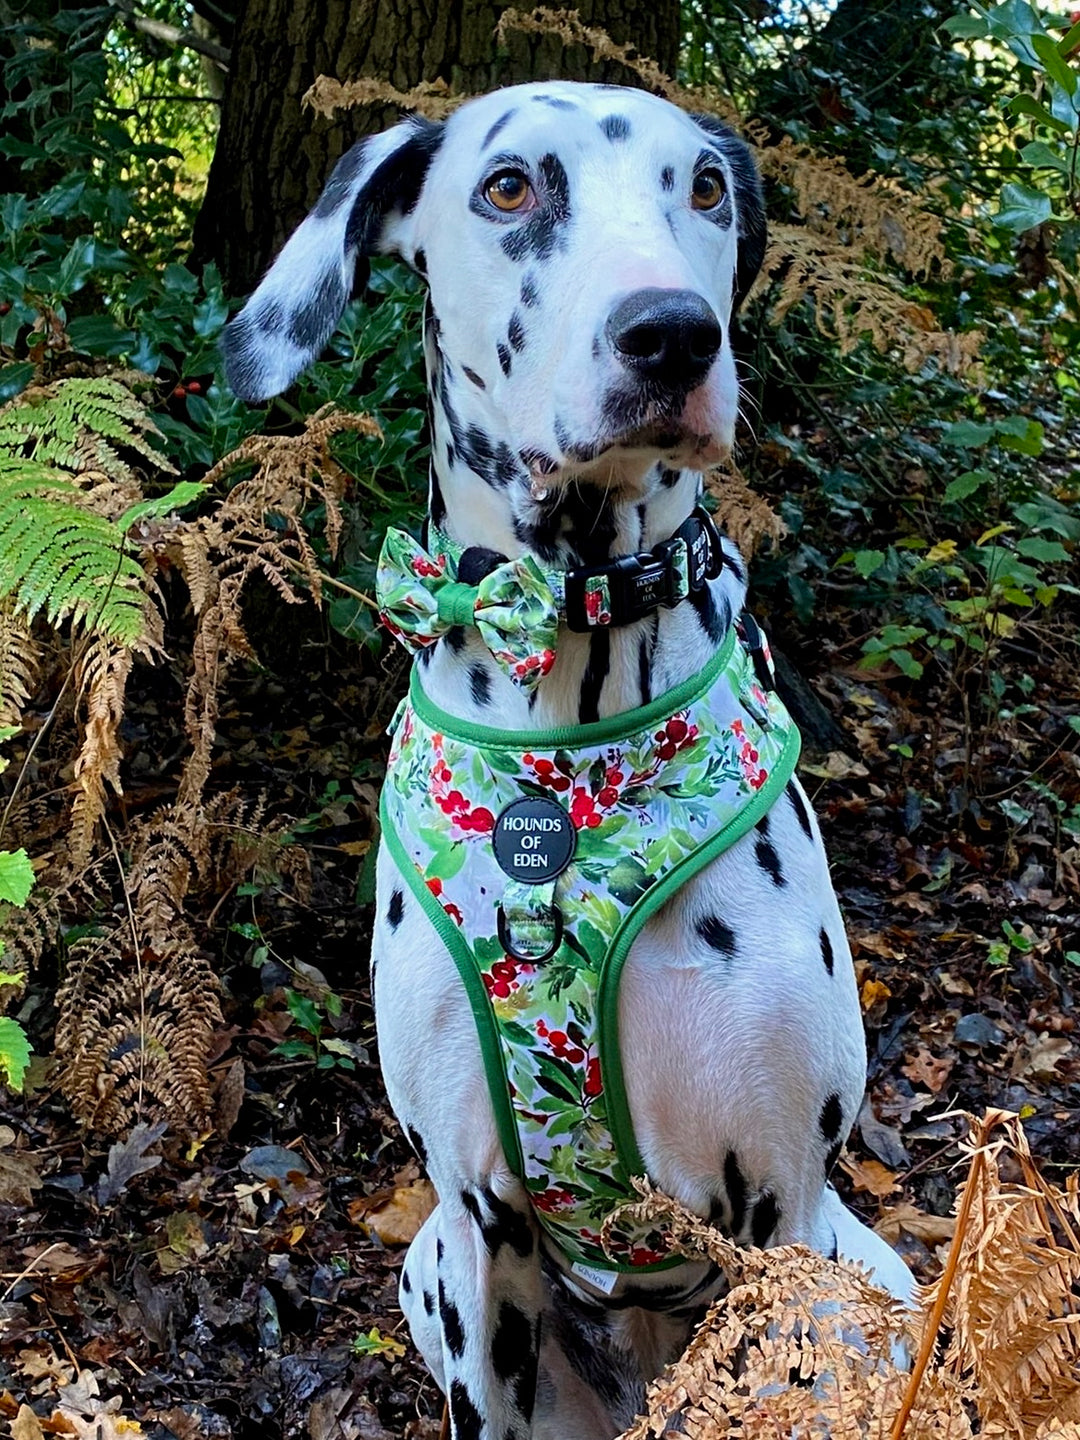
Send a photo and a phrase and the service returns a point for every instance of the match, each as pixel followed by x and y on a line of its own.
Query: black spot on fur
pixel 765 853
pixel 515 332
pixel 615 127
pixel 419 261
pixel 735 1188
pixel 832 1157
pixel 465 1419
pixel 831 1118
pixel 272 318
pixel 472 375
pixel 512 1342
pixel 436 503
pixel 429 1303
pixel 393 185
pixel 406 1283
pixel 396 909
pixel 312 323
pixel 556 102
pixel 500 124
pixel 529 293
pixel 670 478
pixel 479 685
pixel 455 638
pixel 667 178
pixel 799 806
pixel 504 357
pixel 506 1226
pixel 451 1323
pixel 644 665
pixel 539 235
pixel 714 618
pixel 476 562
pixel 415 1139
pixel 716 934
pixel 426 655
pixel 449 455
pixel 826 950
pixel 596 672
pixel 765 1219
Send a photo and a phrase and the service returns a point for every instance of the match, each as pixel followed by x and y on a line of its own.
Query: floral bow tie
pixel 513 607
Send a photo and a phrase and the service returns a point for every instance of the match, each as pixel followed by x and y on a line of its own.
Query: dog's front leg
pixel 472 1290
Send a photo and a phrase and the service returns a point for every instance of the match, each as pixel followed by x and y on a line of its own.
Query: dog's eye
pixel 708 190
pixel 508 190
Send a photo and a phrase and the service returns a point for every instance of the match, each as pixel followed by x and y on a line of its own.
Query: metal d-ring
pixel 506 942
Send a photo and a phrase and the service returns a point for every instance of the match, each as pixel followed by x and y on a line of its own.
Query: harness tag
pixel 604 1280
pixel 534 839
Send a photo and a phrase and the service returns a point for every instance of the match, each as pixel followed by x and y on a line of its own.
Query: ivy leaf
pixel 966 484
pixel 1035 548
pixel 16 876
pixel 1022 208
pixel 1028 105
pixel 1039 154
pixel 867 561
pixel 14 1052
pixel 1047 51
pixel 1017 432
pixel 966 434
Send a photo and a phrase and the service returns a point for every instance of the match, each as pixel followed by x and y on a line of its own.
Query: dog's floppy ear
pixel 292 314
pixel 749 204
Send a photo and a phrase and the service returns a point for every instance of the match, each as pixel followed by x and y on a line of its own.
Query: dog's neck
pixel 484 494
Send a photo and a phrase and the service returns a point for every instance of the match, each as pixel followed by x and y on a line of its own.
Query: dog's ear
pixel 291 316
pixel 749 204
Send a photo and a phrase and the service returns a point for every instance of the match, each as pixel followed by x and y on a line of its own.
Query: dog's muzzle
pixel 667 337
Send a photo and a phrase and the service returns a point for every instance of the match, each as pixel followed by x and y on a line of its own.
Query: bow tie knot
pixel 512 607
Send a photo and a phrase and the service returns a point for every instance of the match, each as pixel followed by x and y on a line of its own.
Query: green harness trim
pixel 653 795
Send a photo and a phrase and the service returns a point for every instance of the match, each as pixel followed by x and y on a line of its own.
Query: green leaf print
pixel 628 880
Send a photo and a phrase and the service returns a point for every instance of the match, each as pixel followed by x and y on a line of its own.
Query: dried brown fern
pixel 327 95
pixel 804 1346
pixel 867 213
pixel 850 304
pixel 19 659
pixel 1015 1301
pixel 800 1345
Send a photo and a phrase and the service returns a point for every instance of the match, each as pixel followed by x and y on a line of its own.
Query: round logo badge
pixel 534 839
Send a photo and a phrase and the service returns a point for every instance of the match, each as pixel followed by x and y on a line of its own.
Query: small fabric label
pixel 604 1280
pixel 534 839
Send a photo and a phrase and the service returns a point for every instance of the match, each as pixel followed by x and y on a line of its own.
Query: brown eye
pixel 508 190
pixel 708 190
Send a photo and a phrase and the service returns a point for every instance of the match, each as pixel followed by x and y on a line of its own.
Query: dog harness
pixel 539 856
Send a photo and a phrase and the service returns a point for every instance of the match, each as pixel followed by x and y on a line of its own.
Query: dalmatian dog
pixel 585 248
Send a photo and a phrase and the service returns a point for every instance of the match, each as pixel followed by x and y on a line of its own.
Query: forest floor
pixel 236 1285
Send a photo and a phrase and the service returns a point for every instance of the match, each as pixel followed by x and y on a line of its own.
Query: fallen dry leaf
pixel 1040 1061
pixel 923 1068
pixel 873 992
pixel 395 1215
pixel 18 1177
pixel 837 766
pixel 930 1229
pixel 871 1176
pixel 26 1425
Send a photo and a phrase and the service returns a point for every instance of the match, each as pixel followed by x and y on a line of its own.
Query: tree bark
pixel 273 157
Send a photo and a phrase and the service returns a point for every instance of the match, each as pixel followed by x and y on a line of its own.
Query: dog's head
pixel 585 248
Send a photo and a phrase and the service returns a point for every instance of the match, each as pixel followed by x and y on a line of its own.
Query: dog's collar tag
pixel 534 839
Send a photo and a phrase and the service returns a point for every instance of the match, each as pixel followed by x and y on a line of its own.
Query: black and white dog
pixel 585 248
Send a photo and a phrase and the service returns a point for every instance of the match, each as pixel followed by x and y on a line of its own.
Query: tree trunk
pixel 273 157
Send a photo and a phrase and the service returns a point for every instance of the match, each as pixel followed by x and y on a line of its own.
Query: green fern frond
pixel 67 560
pixel 80 425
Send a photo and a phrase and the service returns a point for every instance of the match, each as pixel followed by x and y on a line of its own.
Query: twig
pixel 174 35
pixel 30 1268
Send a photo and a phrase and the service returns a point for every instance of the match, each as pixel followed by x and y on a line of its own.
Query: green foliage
pixel 16 882
pixel 56 554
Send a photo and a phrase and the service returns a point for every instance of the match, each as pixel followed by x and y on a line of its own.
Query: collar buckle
pixel 633 586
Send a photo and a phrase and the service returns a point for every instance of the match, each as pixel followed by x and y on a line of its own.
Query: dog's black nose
pixel 668 336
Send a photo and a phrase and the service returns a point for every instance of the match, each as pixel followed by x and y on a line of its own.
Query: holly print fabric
pixel 653 795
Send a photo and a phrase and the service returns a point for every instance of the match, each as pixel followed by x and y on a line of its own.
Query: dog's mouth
pixel 670 426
